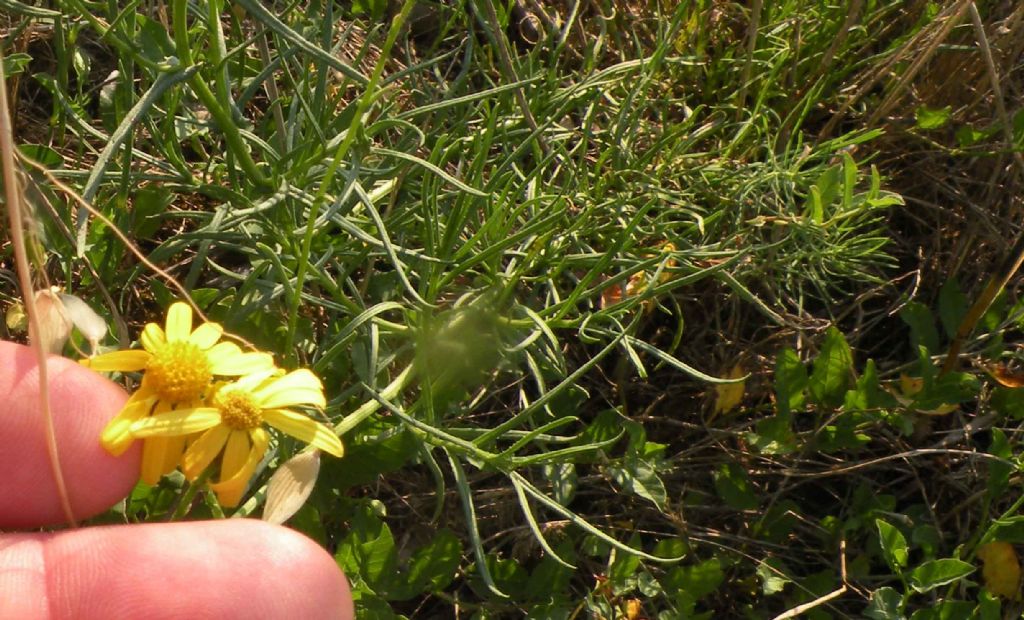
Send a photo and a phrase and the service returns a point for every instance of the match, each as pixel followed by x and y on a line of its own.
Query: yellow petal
pixel 206 335
pixel 252 381
pixel 179 422
pixel 236 453
pixel 305 429
pixel 172 456
pixel 229 492
pixel 152 337
pixel 202 451
pixel 119 361
pixel 179 322
pixel 154 455
pixel 236 364
pixel 117 436
pixel 300 387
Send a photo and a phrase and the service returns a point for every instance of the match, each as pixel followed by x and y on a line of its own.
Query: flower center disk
pixel 179 372
pixel 238 411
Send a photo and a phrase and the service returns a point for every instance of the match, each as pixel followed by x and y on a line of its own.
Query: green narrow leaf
pixel 849 180
pixel 935 573
pixel 832 370
pixel 259 11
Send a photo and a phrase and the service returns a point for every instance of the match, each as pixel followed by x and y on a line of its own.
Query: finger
pixel 82 403
pixel 237 568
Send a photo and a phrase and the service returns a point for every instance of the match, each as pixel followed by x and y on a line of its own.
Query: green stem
pixel 218 110
pixel 346 143
pixel 370 407
pixel 189 495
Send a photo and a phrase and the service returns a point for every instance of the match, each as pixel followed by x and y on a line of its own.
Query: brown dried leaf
pixel 1004 376
pixel 290 486
pixel 54 324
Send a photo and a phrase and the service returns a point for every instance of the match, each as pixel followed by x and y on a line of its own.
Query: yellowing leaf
pixel 729 395
pixel 17 320
pixel 910 385
pixel 633 609
pixel 1002 569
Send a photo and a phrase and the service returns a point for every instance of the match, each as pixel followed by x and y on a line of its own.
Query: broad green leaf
pixel 932 118
pixel 734 487
pixel 832 370
pixel 694 582
pixel 1010 530
pixel 639 476
pixel 945 610
pixel 15 63
pixel 999 472
pixel 935 573
pixel 1008 402
pixel 671 548
pixel 989 607
pixel 922 326
pixel 884 605
pixel 42 154
pixel 790 381
pixel 773 577
pixel 949 389
pixel 433 566
pixel 953 305
pixel 828 185
pixel 624 564
pixel 368 550
pixel 563 479
pixel 894 545
pixel 773 435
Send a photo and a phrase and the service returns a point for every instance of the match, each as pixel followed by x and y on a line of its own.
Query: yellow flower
pixel 178 366
pixel 232 423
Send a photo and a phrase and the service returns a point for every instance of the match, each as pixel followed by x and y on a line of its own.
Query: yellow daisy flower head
pixel 178 366
pixel 231 424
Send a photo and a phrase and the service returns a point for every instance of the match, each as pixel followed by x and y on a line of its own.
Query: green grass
pixel 369 198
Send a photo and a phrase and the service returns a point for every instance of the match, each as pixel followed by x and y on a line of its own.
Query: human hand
pixel 207 569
